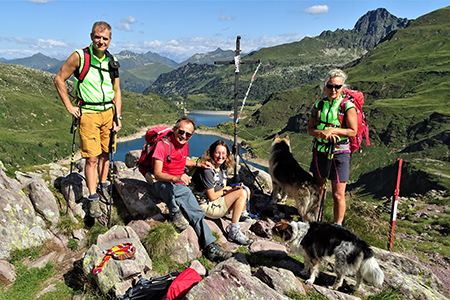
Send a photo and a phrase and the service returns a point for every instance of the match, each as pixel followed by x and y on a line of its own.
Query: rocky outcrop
pixel 232 278
pixel 7 273
pixel 43 201
pixel 20 228
pixel 376 24
pixel 115 273
pixel 135 192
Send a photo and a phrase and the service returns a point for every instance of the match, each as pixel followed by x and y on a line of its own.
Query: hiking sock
pixel 340 224
pixel 103 185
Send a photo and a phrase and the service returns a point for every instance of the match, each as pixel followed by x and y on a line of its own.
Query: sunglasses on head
pixel 182 132
pixel 336 86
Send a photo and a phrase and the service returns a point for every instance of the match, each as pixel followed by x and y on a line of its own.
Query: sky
pixel 180 29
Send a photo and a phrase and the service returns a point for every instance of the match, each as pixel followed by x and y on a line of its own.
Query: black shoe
pixel 179 221
pixel 215 252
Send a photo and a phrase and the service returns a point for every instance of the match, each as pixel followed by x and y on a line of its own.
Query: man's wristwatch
pixel 119 117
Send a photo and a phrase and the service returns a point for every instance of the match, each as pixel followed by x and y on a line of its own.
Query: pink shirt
pixel 178 156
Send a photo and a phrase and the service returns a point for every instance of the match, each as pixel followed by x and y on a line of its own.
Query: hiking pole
pixel 73 129
pixel 253 175
pixel 330 158
pixel 260 187
pixel 111 171
pixel 395 203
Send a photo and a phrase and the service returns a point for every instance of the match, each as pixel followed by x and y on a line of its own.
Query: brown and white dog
pixel 315 241
pixel 295 182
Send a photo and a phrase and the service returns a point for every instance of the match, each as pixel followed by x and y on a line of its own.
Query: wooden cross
pixel 237 62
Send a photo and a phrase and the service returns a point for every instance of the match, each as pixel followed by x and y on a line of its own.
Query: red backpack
pixel 152 137
pixel 182 284
pixel 357 98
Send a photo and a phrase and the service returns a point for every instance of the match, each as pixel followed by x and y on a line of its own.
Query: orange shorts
pixel 95 133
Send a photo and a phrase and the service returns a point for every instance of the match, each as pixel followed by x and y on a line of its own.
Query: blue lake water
pixel 197 144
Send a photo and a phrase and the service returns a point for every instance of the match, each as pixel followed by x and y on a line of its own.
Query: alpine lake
pixel 197 144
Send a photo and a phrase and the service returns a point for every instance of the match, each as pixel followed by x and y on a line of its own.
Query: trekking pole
pixel 73 129
pixel 111 171
pixel 253 175
pixel 260 187
pixel 395 203
pixel 330 156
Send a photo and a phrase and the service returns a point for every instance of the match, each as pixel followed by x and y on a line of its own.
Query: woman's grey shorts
pixel 340 165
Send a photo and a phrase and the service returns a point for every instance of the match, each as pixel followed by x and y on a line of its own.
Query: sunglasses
pixel 182 132
pixel 331 86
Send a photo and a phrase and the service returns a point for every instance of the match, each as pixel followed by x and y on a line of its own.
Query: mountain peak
pixel 377 23
pixel 38 55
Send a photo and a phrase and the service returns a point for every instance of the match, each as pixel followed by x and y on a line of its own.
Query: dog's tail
pixel 371 272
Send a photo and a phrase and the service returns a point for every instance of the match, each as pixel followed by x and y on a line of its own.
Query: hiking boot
pixel 215 252
pixel 94 206
pixel 179 221
pixel 239 238
pixel 103 192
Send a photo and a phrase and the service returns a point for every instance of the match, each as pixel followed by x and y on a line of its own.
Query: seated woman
pixel 220 198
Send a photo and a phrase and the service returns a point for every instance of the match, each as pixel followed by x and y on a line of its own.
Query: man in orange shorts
pixel 99 112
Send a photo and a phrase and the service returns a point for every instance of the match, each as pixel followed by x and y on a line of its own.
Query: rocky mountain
pixel 209 57
pixel 404 80
pixel 138 71
pixel 38 61
pixel 377 24
pixel 283 67
pixel 130 60
pixel 62 249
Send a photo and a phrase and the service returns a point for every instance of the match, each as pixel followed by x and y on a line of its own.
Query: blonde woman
pixel 325 127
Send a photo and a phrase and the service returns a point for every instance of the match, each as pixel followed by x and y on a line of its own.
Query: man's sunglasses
pixel 182 132
pixel 331 86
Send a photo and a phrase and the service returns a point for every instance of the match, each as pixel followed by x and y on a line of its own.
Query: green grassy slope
pixel 406 80
pixel 150 72
pixel 36 126
pixel 283 67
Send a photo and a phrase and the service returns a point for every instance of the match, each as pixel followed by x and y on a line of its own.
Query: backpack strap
pixel 342 109
pixel 113 66
pixel 80 75
pixel 113 69
pixel 166 138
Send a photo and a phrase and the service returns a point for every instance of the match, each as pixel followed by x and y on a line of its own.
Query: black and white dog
pixel 315 241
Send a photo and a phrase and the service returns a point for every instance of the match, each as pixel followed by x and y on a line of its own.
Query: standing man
pixel 170 184
pixel 99 110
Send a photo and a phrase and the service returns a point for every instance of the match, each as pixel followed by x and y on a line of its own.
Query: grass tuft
pixel 159 240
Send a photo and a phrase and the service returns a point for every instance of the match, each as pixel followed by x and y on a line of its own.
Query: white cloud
pixel 48 44
pixel 226 18
pixel 317 9
pixel 35 43
pixel 181 48
pixel 190 46
pixel 124 24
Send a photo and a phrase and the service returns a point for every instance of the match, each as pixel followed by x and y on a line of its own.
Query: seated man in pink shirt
pixel 170 185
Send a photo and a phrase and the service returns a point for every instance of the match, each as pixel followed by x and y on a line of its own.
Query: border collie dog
pixel 315 241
